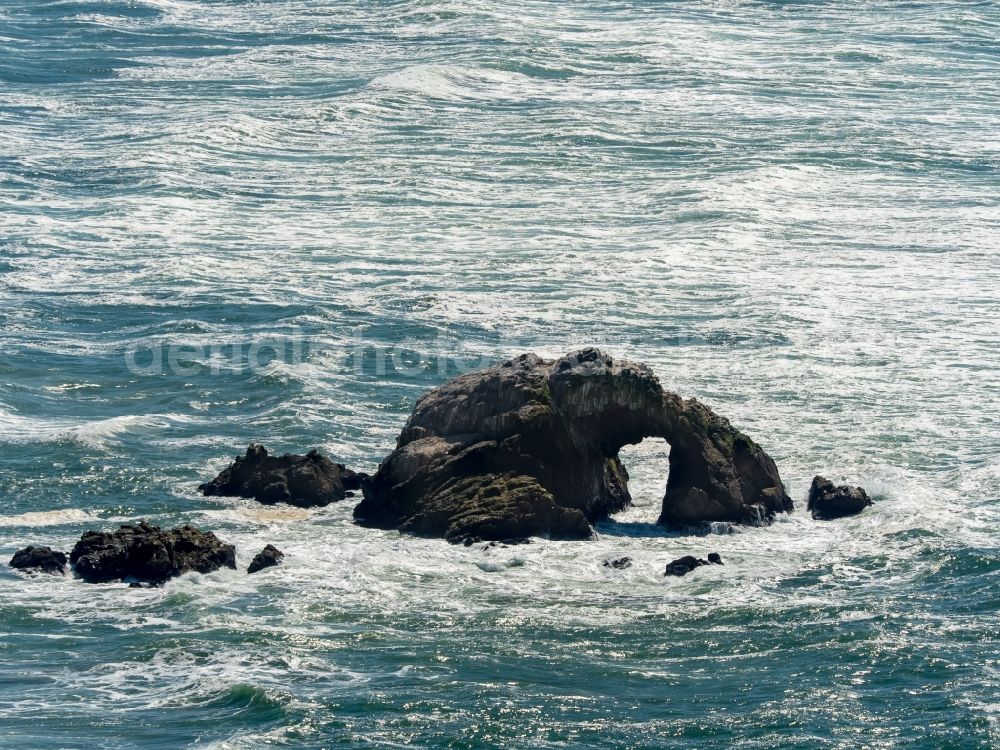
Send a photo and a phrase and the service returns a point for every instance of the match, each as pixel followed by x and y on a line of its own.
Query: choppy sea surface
pixel 282 221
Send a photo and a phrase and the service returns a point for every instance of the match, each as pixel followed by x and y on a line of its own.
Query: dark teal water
pixel 283 221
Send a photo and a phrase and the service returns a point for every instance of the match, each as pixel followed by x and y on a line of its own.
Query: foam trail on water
pixel 788 210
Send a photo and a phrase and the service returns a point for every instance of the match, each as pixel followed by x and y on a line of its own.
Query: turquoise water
pixel 282 221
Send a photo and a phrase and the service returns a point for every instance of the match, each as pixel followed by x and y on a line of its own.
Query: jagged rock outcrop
pixel 828 501
pixel 147 554
pixel 266 558
pixel 618 563
pixel 36 559
pixel 304 481
pixel 684 565
pixel 530 447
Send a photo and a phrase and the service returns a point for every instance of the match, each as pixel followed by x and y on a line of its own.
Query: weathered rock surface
pixel 266 558
pixel 145 553
pixel 828 501
pixel 530 447
pixel 684 565
pixel 35 559
pixel 304 481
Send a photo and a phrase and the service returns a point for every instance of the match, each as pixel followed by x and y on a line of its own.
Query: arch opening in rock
pixel 646 465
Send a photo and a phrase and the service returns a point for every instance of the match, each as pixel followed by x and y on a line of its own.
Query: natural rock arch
pixel 531 446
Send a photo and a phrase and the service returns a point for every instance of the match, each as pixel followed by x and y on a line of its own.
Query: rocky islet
pixel 526 448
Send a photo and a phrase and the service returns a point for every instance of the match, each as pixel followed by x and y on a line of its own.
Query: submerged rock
pixel 530 447
pixel 505 543
pixel 144 553
pixel 619 563
pixel 304 481
pixel 34 559
pixel 684 565
pixel 828 501
pixel 266 558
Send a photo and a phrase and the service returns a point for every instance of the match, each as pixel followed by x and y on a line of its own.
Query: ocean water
pixel 282 221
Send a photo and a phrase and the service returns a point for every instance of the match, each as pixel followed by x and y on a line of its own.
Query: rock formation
pixel 147 554
pixel 266 558
pixel 684 565
pixel 305 481
pixel 827 501
pixel 39 560
pixel 618 563
pixel 530 447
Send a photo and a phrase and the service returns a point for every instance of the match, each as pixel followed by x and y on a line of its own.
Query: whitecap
pixel 98 433
pixel 455 82
pixel 48 518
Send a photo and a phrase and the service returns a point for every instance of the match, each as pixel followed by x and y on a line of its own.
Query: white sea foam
pixel 786 209
pixel 97 433
pixel 457 83
pixel 48 518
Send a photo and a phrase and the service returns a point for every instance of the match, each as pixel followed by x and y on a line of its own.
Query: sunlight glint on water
pixel 791 210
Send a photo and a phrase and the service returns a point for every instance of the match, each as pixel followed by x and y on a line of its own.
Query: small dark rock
pixel 39 560
pixel 684 565
pixel 147 554
pixel 618 563
pixel 266 558
pixel 515 541
pixel 306 481
pixel 827 501
pixel 512 542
